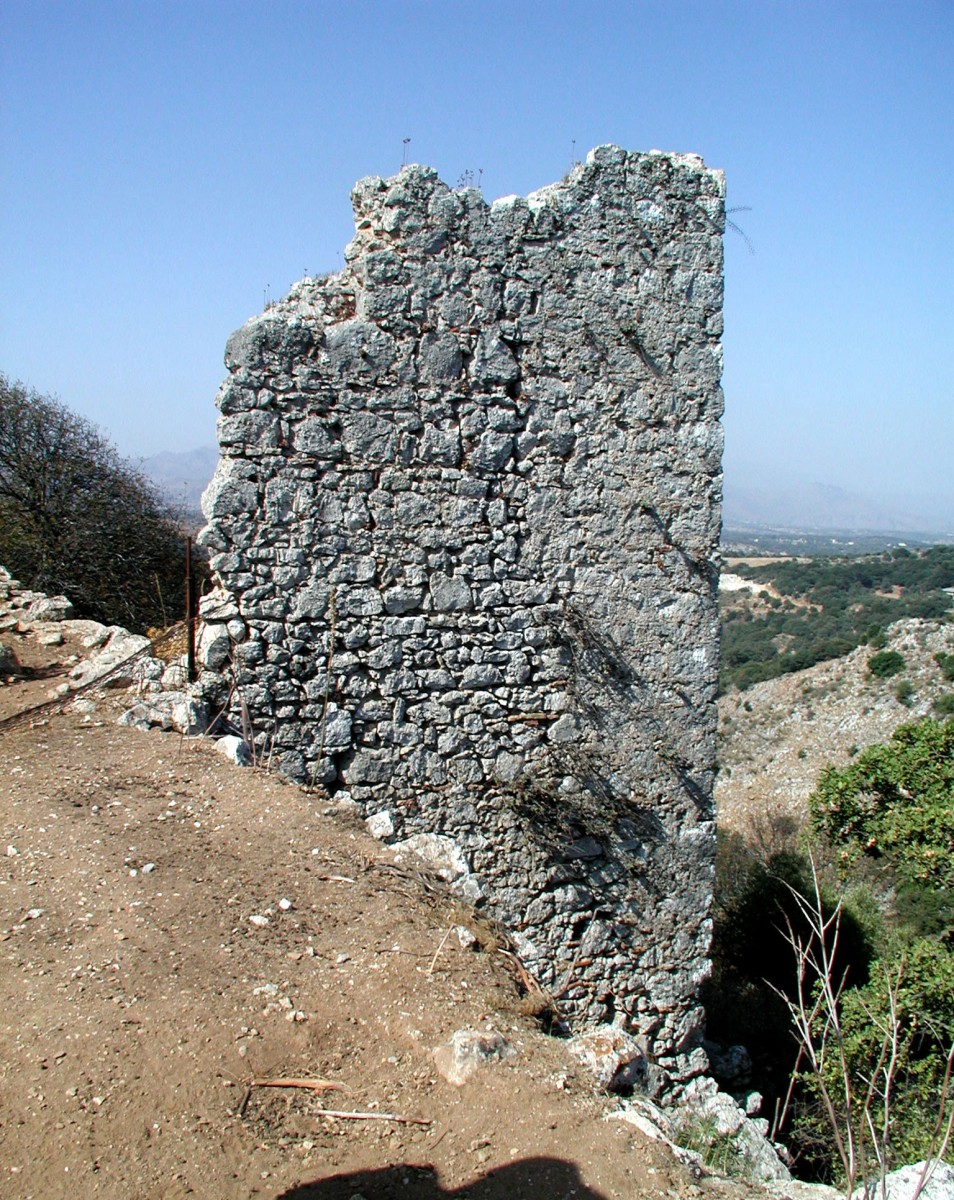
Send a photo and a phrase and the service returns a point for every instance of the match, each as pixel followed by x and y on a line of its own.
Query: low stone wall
pixel 465 518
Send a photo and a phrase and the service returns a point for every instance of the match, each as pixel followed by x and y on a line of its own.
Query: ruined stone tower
pixel 467 510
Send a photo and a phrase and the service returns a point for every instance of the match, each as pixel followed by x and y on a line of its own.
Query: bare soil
pixel 141 1006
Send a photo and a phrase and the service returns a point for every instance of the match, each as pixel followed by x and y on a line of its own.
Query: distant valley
pixel 758 502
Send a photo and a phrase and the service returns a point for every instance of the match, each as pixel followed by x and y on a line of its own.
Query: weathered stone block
pixel 450 594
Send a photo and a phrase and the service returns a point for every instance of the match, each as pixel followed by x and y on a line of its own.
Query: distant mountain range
pixel 824 507
pixel 794 505
pixel 182 476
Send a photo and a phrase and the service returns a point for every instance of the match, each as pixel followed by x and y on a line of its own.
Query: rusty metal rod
pixel 190 612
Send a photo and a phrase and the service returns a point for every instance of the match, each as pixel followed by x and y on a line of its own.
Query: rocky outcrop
pixel 465 519
pixel 777 736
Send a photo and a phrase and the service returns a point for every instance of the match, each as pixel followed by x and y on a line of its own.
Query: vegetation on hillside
pixel 77 519
pixel 822 608
pixel 895 801
pixel 883 830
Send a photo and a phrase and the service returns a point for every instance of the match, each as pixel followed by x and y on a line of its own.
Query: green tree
pixel 76 518
pixel 847 943
pixel 896 803
pixel 913 999
pixel 848 601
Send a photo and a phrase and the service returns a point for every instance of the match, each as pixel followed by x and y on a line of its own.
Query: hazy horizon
pixel 765 500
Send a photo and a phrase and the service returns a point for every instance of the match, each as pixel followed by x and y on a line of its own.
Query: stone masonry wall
pixel 466 516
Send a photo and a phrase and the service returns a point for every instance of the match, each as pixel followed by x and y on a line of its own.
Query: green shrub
pixel 717 1150
pixel 890 815
pixel 751 957
pixel 946 663
pixel 881 828
pixel 924 1001
pixel 896 802
pixel 903 691
pixel 885 664
pixel 944 705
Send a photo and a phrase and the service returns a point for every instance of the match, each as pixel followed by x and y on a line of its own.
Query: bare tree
pixel 857 1105
pixel 77 518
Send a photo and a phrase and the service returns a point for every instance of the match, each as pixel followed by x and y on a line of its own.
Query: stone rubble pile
pixel 159 694
pixel 23 611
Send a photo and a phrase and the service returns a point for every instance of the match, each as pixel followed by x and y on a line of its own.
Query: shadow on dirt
pixel 53 671
pixel 527 1179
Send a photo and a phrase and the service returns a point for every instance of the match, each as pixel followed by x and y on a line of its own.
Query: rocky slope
pixel 776 736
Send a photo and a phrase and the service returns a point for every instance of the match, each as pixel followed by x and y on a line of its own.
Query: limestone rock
pixel 8 660
pixel 796 1189
pixel 465 527
pixel 118 664
pixel 720 1114
pixel 50 608
pixel 441 854
pixel 170 711
pixel 450 595
pixel 217 606
pixel 336 728
pixel 902 1184
pixel 214 646
pixel 175 675
pixel 616 1059
pixel 381 825
pixel 91 634
pixel 467 1051
pixel 731 1065
pixel 235 749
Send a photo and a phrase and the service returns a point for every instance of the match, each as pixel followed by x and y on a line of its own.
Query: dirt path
pixel 138 996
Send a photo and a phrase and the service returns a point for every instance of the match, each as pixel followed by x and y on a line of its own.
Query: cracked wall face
pixel 467 512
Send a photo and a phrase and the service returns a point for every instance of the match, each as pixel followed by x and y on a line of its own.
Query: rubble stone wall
pixel 466 517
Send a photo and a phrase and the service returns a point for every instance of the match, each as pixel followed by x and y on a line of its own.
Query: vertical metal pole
pixel 190 611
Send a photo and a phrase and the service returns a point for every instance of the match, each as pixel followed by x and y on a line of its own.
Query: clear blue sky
pixel 164 163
